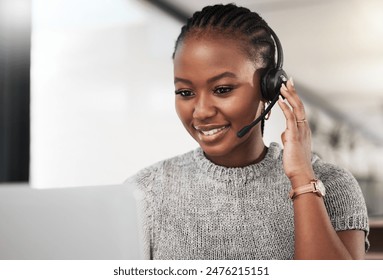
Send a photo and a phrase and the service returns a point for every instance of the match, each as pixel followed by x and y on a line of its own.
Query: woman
pixel 229 198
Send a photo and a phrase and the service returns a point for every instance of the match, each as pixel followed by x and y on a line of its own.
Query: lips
pixel 210 130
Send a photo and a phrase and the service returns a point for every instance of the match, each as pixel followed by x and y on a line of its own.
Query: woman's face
pixel 217 94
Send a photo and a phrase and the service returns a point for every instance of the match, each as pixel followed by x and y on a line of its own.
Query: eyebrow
pixel 210 80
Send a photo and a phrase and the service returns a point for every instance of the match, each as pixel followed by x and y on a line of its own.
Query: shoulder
pixel 344 200
pixel 338 180
pixel 147 177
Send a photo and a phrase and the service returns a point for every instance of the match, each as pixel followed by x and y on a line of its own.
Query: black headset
pixel 271 82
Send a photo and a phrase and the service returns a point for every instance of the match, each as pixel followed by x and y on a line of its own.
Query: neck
pixel 241 157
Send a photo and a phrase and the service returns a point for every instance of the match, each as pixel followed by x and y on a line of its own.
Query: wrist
pixel 301 179
pixel 315 187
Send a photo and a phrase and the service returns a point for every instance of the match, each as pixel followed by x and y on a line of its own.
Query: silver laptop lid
pixel 98 222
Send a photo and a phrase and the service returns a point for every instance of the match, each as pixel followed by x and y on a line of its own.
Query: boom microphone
pixel 247 128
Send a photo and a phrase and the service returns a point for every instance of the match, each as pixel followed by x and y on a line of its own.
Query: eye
pixel 184 92
pixel 223 90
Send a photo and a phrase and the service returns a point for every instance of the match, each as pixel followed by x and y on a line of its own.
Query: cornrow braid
pixel 232 21
pixel 235 15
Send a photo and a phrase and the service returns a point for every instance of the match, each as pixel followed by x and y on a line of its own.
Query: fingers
pixel 289 92
pixel 289 115
pixel 292 107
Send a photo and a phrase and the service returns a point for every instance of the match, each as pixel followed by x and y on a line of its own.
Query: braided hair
pixel 231 21
pixel 228 20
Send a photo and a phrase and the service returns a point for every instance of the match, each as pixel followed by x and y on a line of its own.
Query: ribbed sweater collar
pixel 222 173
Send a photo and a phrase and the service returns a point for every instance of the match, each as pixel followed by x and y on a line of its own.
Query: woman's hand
pixel 296 138
pixel 315 237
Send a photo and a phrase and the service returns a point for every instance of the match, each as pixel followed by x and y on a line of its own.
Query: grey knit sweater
pixel 194 209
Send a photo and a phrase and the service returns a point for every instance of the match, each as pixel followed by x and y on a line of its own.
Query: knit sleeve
pixel 344 200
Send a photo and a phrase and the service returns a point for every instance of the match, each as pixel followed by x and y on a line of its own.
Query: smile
pixel 212 131
pixel 209 134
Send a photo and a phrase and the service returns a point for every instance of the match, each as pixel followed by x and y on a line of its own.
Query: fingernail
pixel 284 86
pixel 282 99
pixel 291 81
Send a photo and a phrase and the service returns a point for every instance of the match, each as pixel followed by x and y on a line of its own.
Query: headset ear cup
pixel 264 83
pixel 271 83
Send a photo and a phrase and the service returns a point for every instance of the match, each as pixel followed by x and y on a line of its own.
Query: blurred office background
pixel 98 104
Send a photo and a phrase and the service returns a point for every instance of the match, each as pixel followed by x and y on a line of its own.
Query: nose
pixel 204 107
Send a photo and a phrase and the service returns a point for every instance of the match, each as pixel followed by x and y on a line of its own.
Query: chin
pixel 223 147
pixel 215 150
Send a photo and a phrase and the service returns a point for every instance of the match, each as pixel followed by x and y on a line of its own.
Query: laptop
pixel 93 223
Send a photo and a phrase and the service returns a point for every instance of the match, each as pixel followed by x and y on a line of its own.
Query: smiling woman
pixel 215 98
pixel 234 197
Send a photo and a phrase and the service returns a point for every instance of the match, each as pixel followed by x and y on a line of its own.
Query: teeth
pixel 213 131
